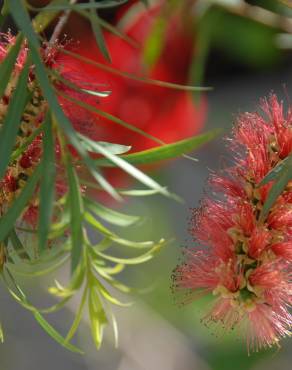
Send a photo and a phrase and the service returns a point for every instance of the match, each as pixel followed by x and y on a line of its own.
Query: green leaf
pixel 76 216
pixel 12 119
pixel 75 283
pixel 107 295
pixel 8 220
pixel 275 172
pixel 54 334
pixel 78 316
pixel 167 151
pixel 112 236
pixel 17 245
pixel 281 180
pixel 29 270
pixel 92 5
pixel 111 147
pixel 21 298
pixel 97 31
pixel 47 187
pixel 45 17
pixel 1 334
pixel 136 260
pixel 7 65
pixel 97 316
pixel 109 215
pixel 17 152
pixel 127 167
pixel 113 282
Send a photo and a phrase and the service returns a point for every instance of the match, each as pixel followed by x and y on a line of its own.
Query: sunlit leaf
pixel 135 260
pixel 78 316
pixel 74 285
pixel 108 296
pixel 91 220
pixel 111 147
pixel 110 215
pixel 1 333
pixel 97 316
pixel 44 17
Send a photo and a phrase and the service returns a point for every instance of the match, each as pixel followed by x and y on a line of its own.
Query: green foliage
pixel 280 175
pixel 61 233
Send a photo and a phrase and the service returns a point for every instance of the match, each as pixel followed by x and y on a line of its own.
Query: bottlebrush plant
pixel 243 233
pixel 51 153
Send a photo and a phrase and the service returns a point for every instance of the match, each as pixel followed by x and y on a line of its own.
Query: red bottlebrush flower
pixel 244 260
pixel 167 114
pixel 20 169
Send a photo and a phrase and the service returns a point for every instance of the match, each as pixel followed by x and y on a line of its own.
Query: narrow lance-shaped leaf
pixel 97 31
pixel 91 220
pixel 97 316
pixel 78 316
pixel 8 220
pixel 54 334
pixel 142 79
pixel 281 180
pixel 22 299
pixel 1 334
pixel 127 167
pixel 47 188
pixel 76 212
pixel 110 215
pixel 167 151
pixel 135 260
pixel 17 245
pixel 91 5
pixel 12 119
pixel 7 65
pixel 17 152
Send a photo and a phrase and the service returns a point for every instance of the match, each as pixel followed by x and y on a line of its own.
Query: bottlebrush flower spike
pixel 241 258
pixel 19 170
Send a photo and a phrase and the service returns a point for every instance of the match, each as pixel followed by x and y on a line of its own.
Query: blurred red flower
pixel 165 113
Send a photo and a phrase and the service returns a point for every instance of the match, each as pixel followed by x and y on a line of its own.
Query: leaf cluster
pixel 61 234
